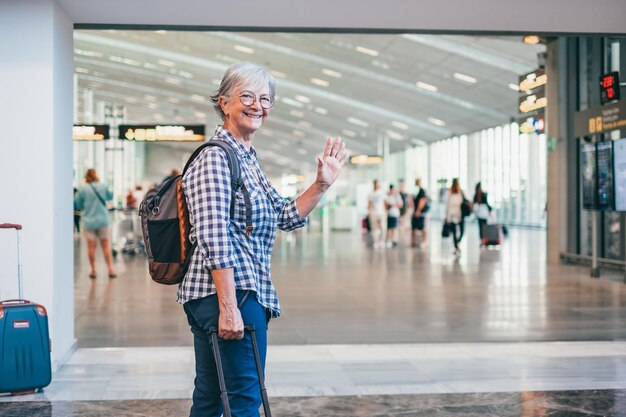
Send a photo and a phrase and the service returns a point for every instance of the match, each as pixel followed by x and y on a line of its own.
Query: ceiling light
pixel 88 53
pixel 200 115
pixel 514 87
pixel 81 70
pixel 152 106
pixel 531 39
pixel 226 58
pixel 149 97
pixel 331 73
pixel 465 78
pixel 366 159
pixel 358 122
pixel 380 64
pixel 149 65
pixel 173 100
pixel 436 121
pixel 197 97
pixel 185 74
pixel 303 99
pixel 298 133
pixel 291 102
pixel 278 74
pixel 399 125
pixel 418 142
pixel 366 51
pixel 296 113
pixel 321 83
pixel 395 135
pixel 243 49
pixel 305 124
pixel 161 32
pixel 130 100
pixel 426 86
pixel 349 133
pixel 171 80
pixel 321 110
pixel 166 63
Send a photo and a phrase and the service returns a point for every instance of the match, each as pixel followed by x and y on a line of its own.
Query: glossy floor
pixel 333 289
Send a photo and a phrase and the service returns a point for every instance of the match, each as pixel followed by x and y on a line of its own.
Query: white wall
pixel 35 157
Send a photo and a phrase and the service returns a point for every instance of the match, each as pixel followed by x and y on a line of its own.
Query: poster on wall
pixel 604 156
pixel 619 172
pixel 588 169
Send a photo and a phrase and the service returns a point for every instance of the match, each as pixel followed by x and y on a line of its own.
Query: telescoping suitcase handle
pixel 220 371
pixel 17 228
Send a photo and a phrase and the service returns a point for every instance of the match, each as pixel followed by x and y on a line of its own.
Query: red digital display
pixel 609 87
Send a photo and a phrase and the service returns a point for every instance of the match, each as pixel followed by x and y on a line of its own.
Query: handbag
pixel 466 210
pixel 445 231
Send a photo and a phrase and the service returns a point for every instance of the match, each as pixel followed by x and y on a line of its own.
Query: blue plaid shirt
pixel 222 241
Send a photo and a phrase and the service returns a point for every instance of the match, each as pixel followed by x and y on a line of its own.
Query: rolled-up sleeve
pixel 208 192
pixel 288 216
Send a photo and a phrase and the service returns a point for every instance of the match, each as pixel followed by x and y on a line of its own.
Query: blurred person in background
pixel 376 213
pixel 393 202
pixel 454 214
pixel 419 220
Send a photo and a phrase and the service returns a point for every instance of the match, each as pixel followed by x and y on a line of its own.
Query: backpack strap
pixel 235 178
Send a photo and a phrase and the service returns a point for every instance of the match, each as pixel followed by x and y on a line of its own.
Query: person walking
pixel 482 210
pixel 454 214
pixel 91 200
pixel 376 214
pixel 228 283
pixel 419 219
pixel 393 202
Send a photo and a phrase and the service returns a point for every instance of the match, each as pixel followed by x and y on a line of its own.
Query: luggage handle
pixel 10 226
pixel 12 302
pixel 220 370
pixel 17 227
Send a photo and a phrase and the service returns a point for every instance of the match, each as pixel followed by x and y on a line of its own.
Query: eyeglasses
pixel 247 98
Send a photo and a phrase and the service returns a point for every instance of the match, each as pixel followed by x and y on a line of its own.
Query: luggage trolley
pixel 126 236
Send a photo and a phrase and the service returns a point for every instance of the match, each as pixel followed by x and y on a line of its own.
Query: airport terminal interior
pixel 526 322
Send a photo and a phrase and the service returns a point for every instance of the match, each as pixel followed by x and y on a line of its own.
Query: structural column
pixel 36 66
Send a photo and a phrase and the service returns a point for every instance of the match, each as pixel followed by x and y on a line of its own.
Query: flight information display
pixel 588 168
pixel 619 172
pixel 604 155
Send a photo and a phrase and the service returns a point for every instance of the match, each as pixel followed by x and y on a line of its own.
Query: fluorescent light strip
pixel 197 97
pixel 331 73
pixel 321 110
pixel 399 125
pixel 291 102
pixel 349 133
pixel 303 99
pixel 278 74
pixel 466 78
pixel 321 83
pixel 171 80
pixel 166 63
pixel 366 51
pixel 358 122
pixel 244 49
pixel 298 133
pixel 395 135
pixel 436 121
pixel 426 86
pixel 296 113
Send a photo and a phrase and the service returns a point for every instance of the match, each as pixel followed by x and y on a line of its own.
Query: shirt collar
pixel 224 134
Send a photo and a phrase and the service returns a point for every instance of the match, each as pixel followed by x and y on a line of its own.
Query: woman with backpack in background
pixel 228 282
pixel 91 200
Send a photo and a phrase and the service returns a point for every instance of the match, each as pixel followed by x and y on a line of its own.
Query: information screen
pixel 619 172
pixel 605 175
pixel 588 169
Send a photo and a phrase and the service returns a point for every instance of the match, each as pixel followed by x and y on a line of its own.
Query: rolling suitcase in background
pixel 220 371
pixel 492 235
pixel 24 340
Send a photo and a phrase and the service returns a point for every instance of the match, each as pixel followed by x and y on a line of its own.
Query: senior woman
pixel 228 282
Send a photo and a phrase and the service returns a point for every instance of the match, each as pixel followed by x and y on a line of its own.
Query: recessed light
pixel 200 115
pixel 436 121
pixel 303 99
pixel 395 135
pixel 130 100
pixel 278 74
pixel 358 122
pixel 366 51
pixel 399 125
pixel 426 86
pixel 331 73
pixel 197 97
pixel 166 63
pixel 291 102
pixel 152 106
pixel 244 49
pixel 171 80
pixel 298 133
pixel 149 97
pixel 349 133
pixel 466 78
pixel 531 39
pixel 321 83
pixel 173 100
pixel 305 124
pixel 296 113
pixel 321 110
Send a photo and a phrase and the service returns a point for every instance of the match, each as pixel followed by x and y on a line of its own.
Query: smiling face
pixel 244 120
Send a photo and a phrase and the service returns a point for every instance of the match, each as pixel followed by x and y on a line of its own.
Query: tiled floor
pixel 367 332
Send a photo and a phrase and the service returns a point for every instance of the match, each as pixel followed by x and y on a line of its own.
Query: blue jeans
pixel 240 374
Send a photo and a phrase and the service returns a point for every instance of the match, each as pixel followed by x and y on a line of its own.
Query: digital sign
pixel 609 87
pixel 162 133
pixel 533 101
pixel 90 132
pixel 588 170
pixel 604 156
pixel 619 173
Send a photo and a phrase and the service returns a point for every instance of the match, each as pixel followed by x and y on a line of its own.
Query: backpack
pixel 165 220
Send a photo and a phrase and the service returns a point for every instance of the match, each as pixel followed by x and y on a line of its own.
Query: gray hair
pixel 246 74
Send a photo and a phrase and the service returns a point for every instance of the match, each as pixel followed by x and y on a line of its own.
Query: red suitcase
pixel 24 340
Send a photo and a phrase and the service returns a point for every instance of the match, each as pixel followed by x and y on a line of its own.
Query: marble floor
pixel 366 332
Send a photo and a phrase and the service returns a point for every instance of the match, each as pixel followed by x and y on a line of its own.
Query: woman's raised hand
pixel 329 163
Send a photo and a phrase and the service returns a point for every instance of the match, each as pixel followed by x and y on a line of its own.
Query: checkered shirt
pixel 222 241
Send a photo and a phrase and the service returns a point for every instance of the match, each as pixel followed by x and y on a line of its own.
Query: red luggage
pixel 24 340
